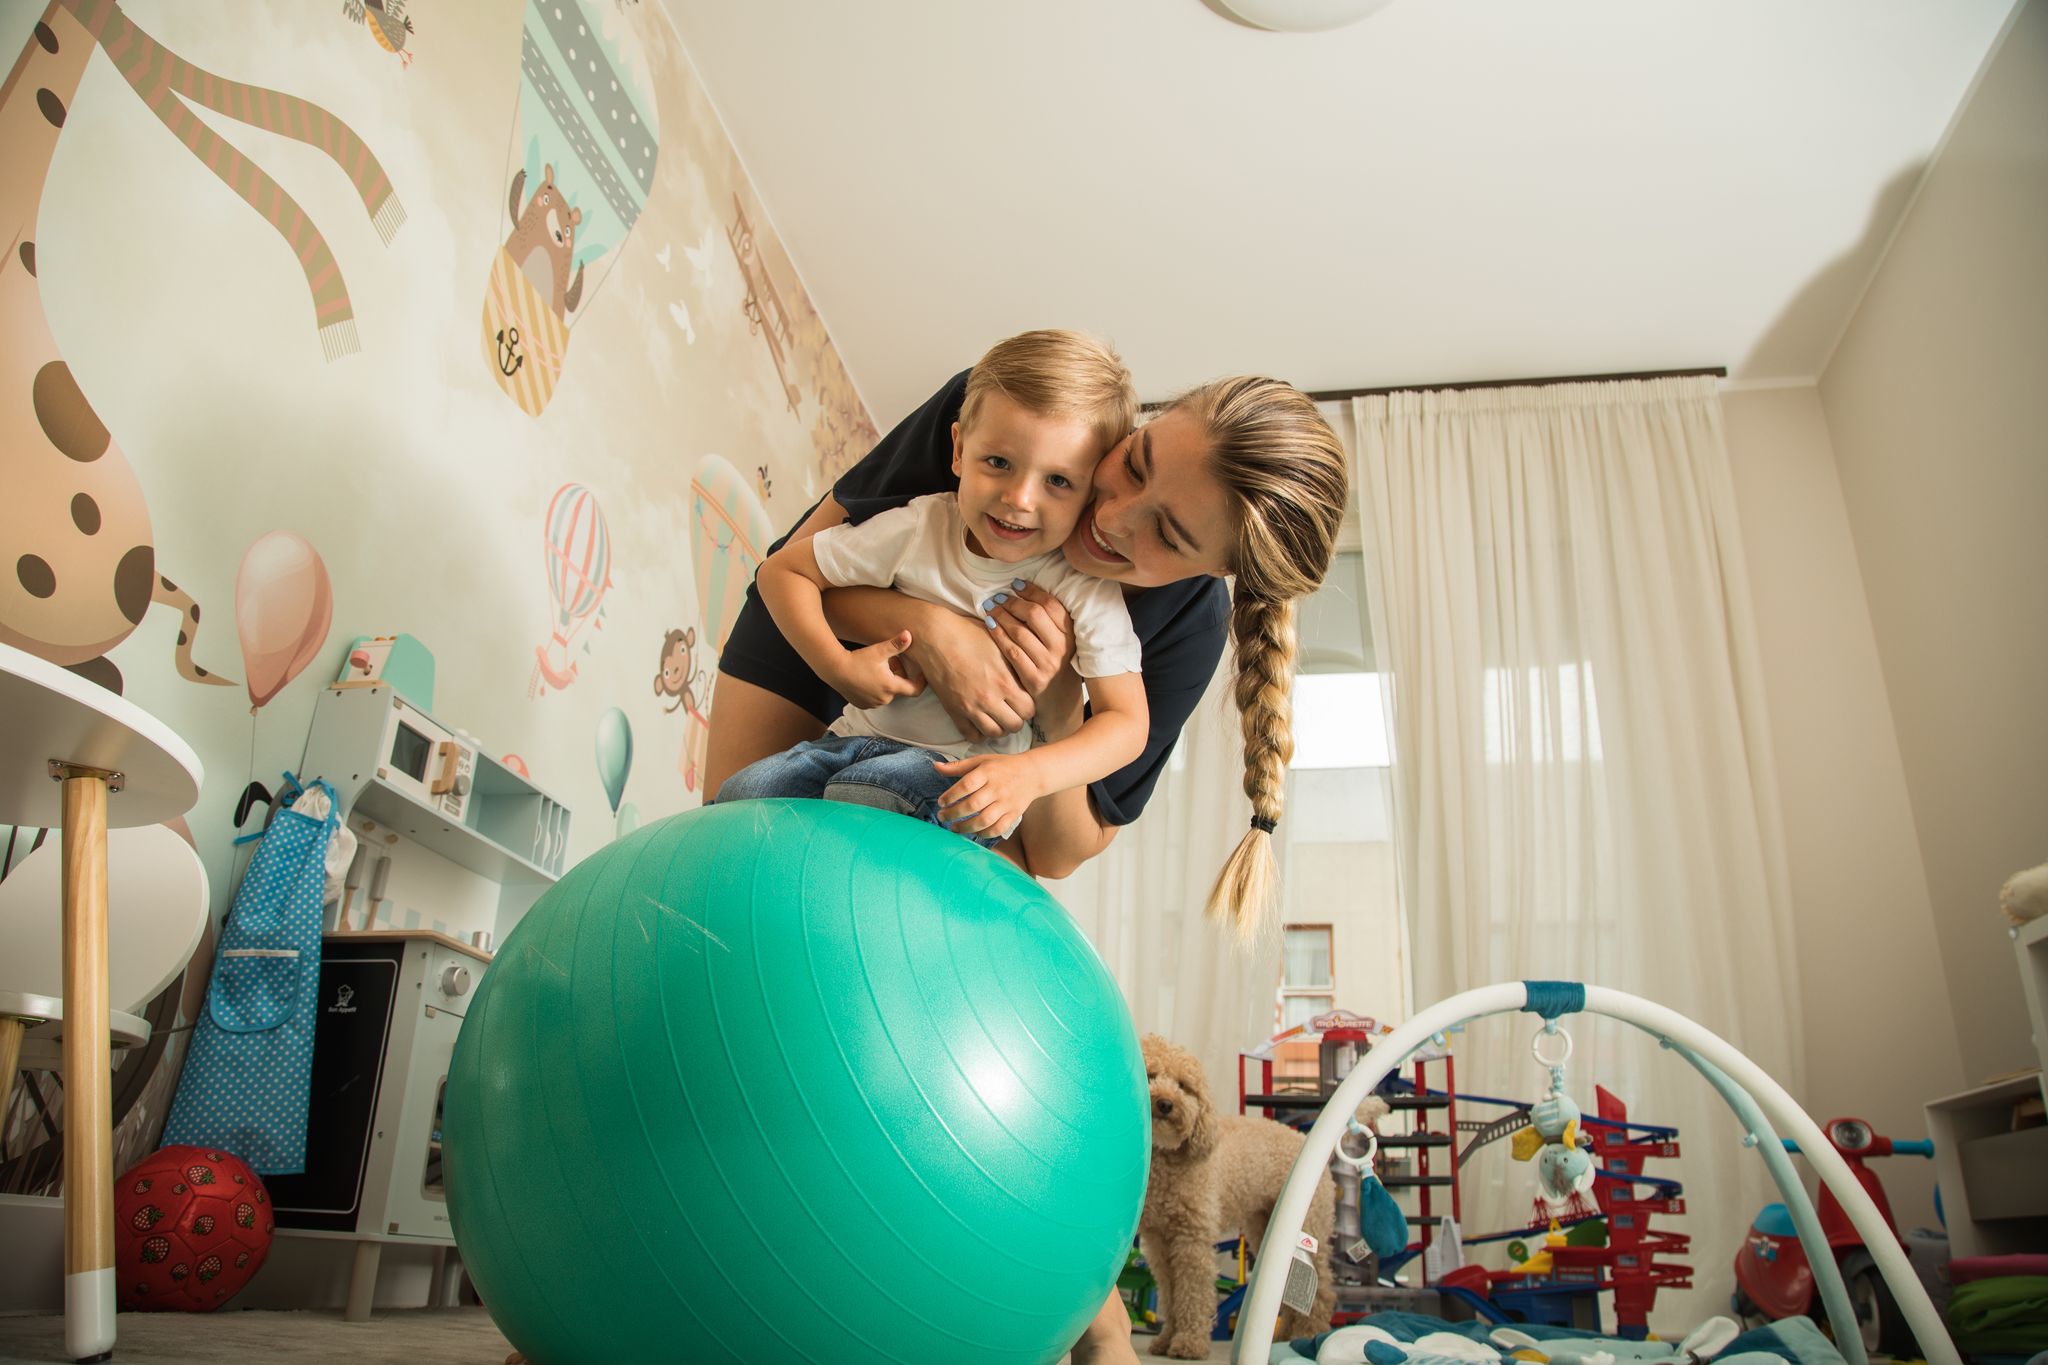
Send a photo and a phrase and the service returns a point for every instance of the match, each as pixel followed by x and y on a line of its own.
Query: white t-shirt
pixel 921 549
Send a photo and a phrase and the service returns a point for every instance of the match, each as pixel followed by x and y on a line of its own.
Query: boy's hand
pixel 991 795
pixel 872 677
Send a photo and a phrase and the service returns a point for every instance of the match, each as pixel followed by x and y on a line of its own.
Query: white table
pixel 66 745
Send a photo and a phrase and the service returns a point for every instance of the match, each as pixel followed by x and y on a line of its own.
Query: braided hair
pixel 1285 470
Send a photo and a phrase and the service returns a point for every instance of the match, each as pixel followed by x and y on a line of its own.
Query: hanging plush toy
pixel 1557 1143
pixel 1381 1222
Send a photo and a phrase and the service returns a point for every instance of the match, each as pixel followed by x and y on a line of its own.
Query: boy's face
pixel 1023 478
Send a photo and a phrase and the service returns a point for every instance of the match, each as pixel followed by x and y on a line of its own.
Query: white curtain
pixel 1583 785
pixel 1141 903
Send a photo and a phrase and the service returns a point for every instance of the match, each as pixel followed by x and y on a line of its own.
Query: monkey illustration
pixel 678 675
pixel 543 242
pixel 680 678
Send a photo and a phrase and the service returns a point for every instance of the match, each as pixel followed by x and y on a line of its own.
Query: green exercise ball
pixel 795 1081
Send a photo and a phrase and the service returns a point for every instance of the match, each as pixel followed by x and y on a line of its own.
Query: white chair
pixel 156 915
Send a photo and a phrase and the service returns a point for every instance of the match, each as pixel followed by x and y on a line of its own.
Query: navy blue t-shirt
pixel 1181 626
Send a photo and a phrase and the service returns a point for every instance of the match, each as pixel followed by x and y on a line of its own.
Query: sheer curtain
pixel 1141 903
pixel 1583 784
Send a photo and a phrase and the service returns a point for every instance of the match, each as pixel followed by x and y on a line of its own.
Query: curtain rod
pixel 1339 395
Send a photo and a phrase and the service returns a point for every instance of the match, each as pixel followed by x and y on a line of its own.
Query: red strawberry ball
pixel 186 1234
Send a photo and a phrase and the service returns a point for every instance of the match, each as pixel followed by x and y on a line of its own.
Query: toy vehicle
pixel 1773 1277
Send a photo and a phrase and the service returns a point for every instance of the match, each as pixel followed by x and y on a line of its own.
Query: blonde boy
pixel 1039 413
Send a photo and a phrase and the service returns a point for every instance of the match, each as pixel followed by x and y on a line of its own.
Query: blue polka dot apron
pixel 249 1072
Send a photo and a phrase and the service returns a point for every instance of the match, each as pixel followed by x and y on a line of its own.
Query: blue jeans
pixel 857 769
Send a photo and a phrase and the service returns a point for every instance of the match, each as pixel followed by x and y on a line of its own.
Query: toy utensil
pixel 378 877
pixel 351 883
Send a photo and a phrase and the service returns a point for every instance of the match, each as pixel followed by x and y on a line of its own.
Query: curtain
pixel 1141 903
pixel 1583 785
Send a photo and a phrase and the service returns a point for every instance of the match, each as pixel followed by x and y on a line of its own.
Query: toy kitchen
pixel 453 847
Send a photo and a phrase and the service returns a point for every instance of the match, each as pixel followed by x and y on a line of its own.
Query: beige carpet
pixel 419 1336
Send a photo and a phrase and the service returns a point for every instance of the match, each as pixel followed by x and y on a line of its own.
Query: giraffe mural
pixel 83 567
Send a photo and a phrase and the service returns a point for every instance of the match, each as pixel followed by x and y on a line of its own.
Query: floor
pixel 448 1336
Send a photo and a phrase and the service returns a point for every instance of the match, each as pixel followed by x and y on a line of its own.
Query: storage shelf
pixel 2030 944
pixel 457 842
pixel 1985 1220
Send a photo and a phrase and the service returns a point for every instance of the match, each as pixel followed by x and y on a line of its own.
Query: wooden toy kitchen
pixel 476 842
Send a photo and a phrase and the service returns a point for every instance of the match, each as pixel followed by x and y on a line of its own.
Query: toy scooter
pixel 1773 1277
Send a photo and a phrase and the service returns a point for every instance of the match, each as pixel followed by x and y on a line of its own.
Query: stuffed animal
pixel 2025 895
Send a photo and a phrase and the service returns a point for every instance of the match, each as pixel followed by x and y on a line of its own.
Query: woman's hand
pixel 1034 634
pixel 964 668
pixel 991 795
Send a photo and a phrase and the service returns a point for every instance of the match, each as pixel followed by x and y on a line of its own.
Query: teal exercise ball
pixel 795 1081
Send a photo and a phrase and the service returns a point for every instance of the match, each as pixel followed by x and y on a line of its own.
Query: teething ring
pixel 1536 1047
pixel 1372 1147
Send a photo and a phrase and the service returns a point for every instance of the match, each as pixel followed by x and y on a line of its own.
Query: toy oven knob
pixel 454 981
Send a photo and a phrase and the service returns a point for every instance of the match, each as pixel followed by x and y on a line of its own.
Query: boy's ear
pixel 956 449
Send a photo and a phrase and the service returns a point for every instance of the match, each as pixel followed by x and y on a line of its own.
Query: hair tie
pixel 1261 822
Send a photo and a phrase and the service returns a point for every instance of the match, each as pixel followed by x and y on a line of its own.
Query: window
pixel 1306 987
pixel 1337 852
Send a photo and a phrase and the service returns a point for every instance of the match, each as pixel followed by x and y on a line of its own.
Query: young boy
pixel 1040 411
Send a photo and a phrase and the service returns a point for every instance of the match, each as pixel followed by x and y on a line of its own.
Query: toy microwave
pixel 426 760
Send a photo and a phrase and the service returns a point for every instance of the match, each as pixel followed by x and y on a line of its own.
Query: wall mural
pixel 269 399
pixel 576 548
pixel 586 142
pixel 386 21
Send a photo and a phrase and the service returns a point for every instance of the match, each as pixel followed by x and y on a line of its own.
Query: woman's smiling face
pixel 1158 514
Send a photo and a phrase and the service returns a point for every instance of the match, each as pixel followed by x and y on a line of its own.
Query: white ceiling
pixel 1452 189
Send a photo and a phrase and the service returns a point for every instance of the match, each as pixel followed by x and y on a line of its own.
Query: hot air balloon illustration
pixel 578 551
pixel 584 145
pixel 615 758
pixel 729 534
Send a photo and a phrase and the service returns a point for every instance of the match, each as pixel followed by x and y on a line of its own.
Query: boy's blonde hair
pixel 1053 373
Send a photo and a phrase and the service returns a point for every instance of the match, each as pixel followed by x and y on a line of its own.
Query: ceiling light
pixel 1299 16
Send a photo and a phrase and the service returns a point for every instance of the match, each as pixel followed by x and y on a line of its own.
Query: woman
pixel 1240 477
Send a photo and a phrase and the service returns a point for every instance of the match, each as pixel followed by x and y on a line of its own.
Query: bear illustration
pixel 543 242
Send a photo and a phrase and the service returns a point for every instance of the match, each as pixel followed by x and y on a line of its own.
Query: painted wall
pixel 1860 905
pixel 1939 419
pixel 468 321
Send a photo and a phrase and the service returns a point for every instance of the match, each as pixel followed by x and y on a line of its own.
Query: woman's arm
pixel 954 654
pixel 1064 830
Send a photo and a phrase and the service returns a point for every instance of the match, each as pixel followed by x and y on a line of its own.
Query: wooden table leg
pixel 88 1084
pixel 10 1060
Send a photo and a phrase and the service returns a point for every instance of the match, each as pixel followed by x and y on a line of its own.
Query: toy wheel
pixel 1878 1319
pixel 1518 1251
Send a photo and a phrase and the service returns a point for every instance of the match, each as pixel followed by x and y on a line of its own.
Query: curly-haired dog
pixel 1215 1176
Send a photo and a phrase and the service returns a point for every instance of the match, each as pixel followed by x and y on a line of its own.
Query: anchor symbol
pixel 509 358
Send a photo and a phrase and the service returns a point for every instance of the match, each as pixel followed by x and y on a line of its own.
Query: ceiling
pixel 1451 189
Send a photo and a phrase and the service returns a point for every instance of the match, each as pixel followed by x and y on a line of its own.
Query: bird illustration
pixel 386 21
pixel 661 256
pixel 701 257
pixel 680 315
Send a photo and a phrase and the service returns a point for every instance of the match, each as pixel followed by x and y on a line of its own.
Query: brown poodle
pixel 1215 1176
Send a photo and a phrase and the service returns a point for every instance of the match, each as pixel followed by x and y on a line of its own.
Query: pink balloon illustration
pixel 283 606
